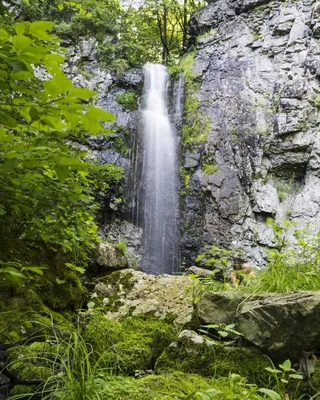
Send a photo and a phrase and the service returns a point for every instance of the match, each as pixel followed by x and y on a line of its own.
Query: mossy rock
pixel 60 291
pixel 130 345
pixel 24 315
pixel 215 360
pixel 34 361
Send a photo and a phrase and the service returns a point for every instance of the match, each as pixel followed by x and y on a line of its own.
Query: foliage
pixel 128 100
pixel 122 248
pixel 73 370
pixel 223 331
pixel 289 268
pixel 84 18
pixel 282 376
pixel 155 31
pixel 47 201
pixel 234 387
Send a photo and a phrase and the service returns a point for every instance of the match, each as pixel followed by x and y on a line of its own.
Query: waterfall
pixel 158 202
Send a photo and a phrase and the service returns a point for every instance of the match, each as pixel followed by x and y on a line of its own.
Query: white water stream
pixel 159 203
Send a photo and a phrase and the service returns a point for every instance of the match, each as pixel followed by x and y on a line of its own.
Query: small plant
pixel 209 169
pixel 222 331
pixel 282 376
pixel 128 100
pixel 122 248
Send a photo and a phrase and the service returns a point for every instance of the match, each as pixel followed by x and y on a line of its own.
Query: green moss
pixel 128 100
pixel 116 283
pixel 119 143
pixel 213 361
pixel 174 72
pixel 24 315
pixel 34 361
pixel 130 345
pixel 196 126
pixel 209 169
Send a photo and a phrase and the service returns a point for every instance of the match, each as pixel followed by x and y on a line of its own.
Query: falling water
pixel 158 200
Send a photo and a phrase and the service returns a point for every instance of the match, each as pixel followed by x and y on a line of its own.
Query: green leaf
pixel 75 268
pixel 22 43
pixel 36 270
pixel 271 393
pixel 286 366
pixel 273 370
pixel 62 173
pixel 60 281
pixel 60 7
pixel 39 30
pixel 20 27
pixel 12 271
pixel 4 36
pixel 84 94
pixel 296 376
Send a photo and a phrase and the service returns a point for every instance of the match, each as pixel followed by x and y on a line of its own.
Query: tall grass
pixel 75 372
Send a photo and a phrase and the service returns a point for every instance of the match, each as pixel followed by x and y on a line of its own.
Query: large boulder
pixel 219 307
pixel 282 325
pixel 131 292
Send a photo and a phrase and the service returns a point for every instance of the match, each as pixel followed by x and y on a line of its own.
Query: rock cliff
pixel 259 63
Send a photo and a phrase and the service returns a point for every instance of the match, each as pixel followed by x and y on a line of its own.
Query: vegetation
pixel 48 229
pixel 155 31
pixel 128 100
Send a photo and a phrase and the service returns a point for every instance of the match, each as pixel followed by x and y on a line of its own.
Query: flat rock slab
pixel 163 296
pixel 282 325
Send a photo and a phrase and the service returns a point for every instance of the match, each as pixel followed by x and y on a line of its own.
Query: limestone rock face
pixel 131 292
pixel 259 61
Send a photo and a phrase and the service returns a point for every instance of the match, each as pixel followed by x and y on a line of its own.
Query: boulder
pixel 219 307
pixel 108 256
pixel 282 325
pixel 131 292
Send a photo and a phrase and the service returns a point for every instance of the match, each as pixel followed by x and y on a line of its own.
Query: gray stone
pixel 191 160
pixel 260 80
pixel 218 307
pixel 282 325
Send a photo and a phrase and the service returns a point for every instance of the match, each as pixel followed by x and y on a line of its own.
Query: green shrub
pixel 128 100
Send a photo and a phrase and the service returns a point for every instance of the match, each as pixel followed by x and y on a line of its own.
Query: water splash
pixel 158 201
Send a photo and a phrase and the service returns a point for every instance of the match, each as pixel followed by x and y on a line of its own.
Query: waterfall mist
pixel 157 199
